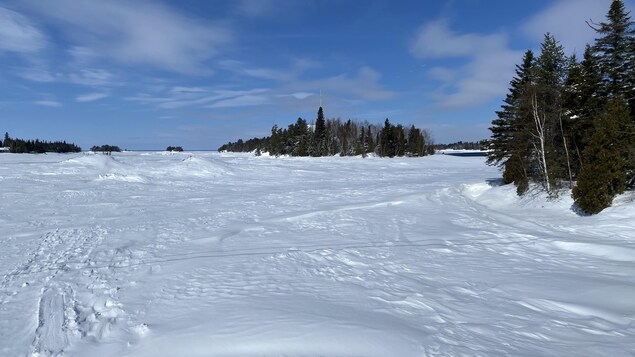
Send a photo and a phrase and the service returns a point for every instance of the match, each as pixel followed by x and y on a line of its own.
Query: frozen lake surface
pixel 207 254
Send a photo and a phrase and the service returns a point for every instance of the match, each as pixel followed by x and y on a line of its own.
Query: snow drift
pixel 146 254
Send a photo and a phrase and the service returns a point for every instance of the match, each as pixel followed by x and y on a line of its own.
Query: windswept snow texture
pixel 205 254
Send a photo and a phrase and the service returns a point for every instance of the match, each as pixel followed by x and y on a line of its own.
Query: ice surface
pixel 206 254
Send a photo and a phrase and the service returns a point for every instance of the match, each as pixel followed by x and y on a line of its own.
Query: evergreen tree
pixel 583 102
pixel 7 140
pixel 318 147
pixel 550 139
pixel 370 143
pixel 415 142
pixel 505 127
pixel 298 134
pixel 615 50
pixel 510 143
pixel 276 141
pixel 605 159
pixel 387 146
pixel 400 140
pixel 360 149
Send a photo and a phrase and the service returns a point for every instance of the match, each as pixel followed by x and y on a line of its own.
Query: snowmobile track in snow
pixel 68 308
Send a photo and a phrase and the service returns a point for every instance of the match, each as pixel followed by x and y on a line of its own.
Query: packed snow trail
pixel 146 254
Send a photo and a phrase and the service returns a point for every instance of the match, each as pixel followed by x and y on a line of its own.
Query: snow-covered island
pixel 207 254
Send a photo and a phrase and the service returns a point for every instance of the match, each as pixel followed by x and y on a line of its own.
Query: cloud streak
pixel 48 103
pixel 436 40
pixel 566 20
pixel 489 64
pixel 365 85
pixel 91 97
pixel 18 34
pixel 187 97
pixel 137 33
pixel 241 101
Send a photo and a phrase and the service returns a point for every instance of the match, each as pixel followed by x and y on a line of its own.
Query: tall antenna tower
pixel 320 98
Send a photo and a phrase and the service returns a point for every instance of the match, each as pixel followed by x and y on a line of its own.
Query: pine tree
pixel 388 141
pixel 615 50
pixel 582 102
pixel 299 138
pixel 415 142
pixel 7 140
pixel 550 139
pixel 510 143
pixel 605 159
pixel 370 143
pixel 360 148
pixel 503 128
pixel 276 141
pixel 318 147
pixel 400 140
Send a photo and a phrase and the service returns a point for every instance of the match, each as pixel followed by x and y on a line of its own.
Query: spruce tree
pixel 582 102
pixel 370 143
pixel 415 142
pixel 550 139
pixel 276 142
pixel 511 142
pixel 615 51
pixel 388 141
pixel 400 140
pixel 605 159
pixel 7 140
pixel 503 128
pixel 318 147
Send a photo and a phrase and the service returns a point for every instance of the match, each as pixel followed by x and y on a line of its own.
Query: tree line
pixel 463 145
pixel 567 122
pixel 106 149
pixel 37 146
pixel 329 137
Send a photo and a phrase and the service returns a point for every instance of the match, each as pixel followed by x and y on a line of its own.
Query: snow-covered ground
pixel 205 254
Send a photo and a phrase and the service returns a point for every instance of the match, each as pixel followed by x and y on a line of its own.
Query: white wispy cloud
pixel 485 78
pixel 436 40
pixel 443 74
pixel 185 97
pixel 269 9
pixel 244 69
pixel 36 75
pixel 364 85
pixel 255 8
pixel 181 89
pixel 566 20
pixel 48 103
pixel 298 95
pixel 91 97
pixel 241 101
pixel 489 63
pixel 18 34
pixel 137 33
pixel 92 77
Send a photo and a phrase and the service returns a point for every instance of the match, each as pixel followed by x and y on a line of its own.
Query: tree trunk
pixel 540 135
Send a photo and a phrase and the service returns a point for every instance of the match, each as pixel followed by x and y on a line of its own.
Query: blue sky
pixel 148 74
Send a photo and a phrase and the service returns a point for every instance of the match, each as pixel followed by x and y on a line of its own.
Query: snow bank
pixel 202 167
